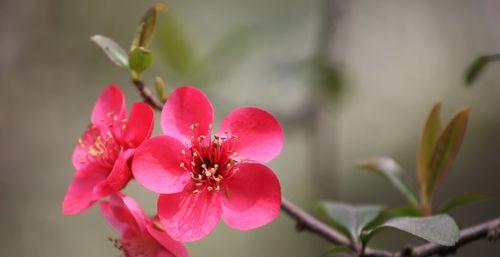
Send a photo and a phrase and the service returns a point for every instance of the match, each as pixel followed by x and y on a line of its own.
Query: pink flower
pixel 201 179
pixel 140 236
pixel 101 156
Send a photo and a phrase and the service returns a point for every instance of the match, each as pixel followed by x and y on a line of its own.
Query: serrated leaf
pixel 174 46
pixel 113 50
pixel 349 219
pixel 440 229
pixel 463 200
pixel 390 170
pixel 140 59
pixel 430 134
pixel 446 149
pixel 147 26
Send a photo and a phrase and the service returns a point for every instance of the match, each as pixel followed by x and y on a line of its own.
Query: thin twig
pixel 486 230
pixel 146 94
pixel 489 229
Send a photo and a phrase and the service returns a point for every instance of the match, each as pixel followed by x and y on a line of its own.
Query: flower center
pixel 136 246
pixel 210 161
pixel 101 144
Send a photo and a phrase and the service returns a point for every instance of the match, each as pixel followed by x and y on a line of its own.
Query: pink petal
pixel 251 198
pixel 79 155
pixel 79 195
pixel 259 134
pixel 156 165
pixel 187 216
pixel 174 248
pixel 118 178
pixel 139 125
pixel 111 101
pixel 185 107
pixel 123 213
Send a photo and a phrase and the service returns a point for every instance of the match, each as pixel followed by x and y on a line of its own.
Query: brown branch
pixel 146 94
pixel 305 221
pixel 487 230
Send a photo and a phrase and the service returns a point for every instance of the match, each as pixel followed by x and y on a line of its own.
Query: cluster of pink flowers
pixel 200 178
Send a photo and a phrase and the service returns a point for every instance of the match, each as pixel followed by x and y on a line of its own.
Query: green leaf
pixel 160 89
pixel 428 140
pixel 390 169
pixel 446 149
pixel 350 219
pixel 475 69
pixel 112 50
pixel 147 26
pixel 463 200
pixel 140 59
pixel 226 55
pixel 331 79
pixel 336 249
pixel 405 211
pixel 440 229
pixel 174 46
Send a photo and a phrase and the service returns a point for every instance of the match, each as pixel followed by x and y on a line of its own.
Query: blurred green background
pixel 383 64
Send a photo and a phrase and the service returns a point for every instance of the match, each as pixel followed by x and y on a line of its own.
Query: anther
pixel 196 191
pixel 210 188
pixel 181 165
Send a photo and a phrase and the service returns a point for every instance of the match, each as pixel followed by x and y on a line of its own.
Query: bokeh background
pixel 348 79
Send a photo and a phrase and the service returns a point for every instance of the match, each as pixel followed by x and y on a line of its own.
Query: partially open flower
pixel 203 178
pixel 140 235
pixel 101 156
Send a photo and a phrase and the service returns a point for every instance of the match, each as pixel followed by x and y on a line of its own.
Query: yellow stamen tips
pixel 198 184
pixel 194 126
pixel 181 165
pixel 208 173
pixel 196 191
pixel 157 225
pixel 235 154
pixel 195 154
pixel 226 132
pixel 192 175
pixel 123 127
pixel 124 120
pixel 234 136
pixel 228 165
pixel 216 166
pixel 210 188
pixel 204 166
pixel 210 126
pixel 217 188
pixel 201 138
pixel 218 178
pixel 193 164
pixel 183 152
